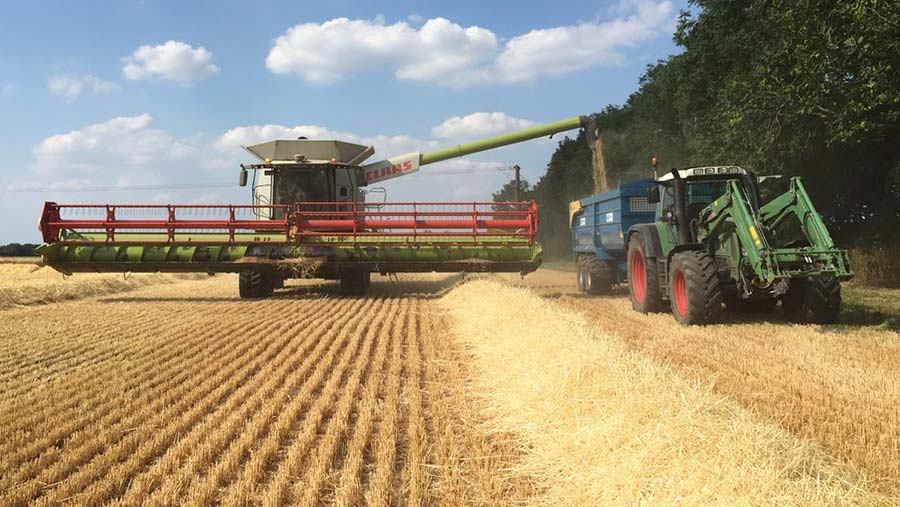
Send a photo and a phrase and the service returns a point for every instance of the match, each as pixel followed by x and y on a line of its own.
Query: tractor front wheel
pixel 255 284
pixel 812 300
pixel 643 278
pixel 695 290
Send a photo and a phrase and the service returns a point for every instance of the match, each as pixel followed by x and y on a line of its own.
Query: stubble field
pixel 180 394
pixel 498 391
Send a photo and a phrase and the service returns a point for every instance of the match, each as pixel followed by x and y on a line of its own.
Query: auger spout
pixel 490 143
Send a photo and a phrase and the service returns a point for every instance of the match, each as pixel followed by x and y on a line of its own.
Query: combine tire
pixel 643 278
pixel 595 277
pixel 695 291
pixel 255 284
pixel 355 283
pixel 812 300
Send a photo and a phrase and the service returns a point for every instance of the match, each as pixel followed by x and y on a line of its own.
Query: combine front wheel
pixel 694 286
pixel 643 278
pixel 355 283
pixel 255 284
pixel 812 300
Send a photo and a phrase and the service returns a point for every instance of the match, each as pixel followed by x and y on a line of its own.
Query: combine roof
pixel 310 150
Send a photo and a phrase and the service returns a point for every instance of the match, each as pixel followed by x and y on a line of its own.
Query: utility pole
pixel 516 168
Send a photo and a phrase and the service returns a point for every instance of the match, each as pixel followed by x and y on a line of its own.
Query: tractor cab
pixel 682 194
pixel 702 185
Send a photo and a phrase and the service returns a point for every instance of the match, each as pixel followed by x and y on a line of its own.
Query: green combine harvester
pixel 310 218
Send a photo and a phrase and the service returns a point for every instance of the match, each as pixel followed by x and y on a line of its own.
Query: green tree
pixel 801 87
pixel 507 192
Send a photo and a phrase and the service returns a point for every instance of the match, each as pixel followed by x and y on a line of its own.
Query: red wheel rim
pixel 638 277
pixel 680 290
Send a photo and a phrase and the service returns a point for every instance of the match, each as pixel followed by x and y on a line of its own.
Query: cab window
pixel 698 195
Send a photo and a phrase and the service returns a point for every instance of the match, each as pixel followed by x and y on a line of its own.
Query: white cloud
pixel 253 134
pixel 449 54
pixel 8 88
pixel 557 51
pixel 70 86
pixel 477 125
pixel 439 50
pixel 122 145
pixel 172 61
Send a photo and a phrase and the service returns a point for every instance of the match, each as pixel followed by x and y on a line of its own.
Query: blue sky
pixel 132 93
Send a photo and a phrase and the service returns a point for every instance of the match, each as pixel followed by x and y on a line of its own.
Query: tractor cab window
pixel 698 196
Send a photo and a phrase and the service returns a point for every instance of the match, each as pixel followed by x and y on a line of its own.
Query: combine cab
pixel 309 219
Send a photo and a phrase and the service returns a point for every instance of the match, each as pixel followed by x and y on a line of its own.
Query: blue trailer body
pixel 600 227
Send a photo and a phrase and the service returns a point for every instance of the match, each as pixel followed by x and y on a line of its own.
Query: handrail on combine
pixel 108 219
pixel 450 223
pixel 304 223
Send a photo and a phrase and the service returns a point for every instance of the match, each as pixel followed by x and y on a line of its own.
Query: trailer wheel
pixel 598 275
pixel 643 278
pixel 580 274
pixel 812 301
pixel 255 284
pixel 695 290
pixel 354 283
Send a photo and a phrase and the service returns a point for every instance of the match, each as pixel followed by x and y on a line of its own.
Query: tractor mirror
pixel 242 180
pixel 653 194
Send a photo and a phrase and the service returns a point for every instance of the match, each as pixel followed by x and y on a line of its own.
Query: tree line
pixel 801 88
pixel 17 250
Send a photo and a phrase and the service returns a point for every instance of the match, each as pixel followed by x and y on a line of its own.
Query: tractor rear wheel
pixel 643 278
pixel 695 290
pixel 596 276
pixel 813 300
pixel 355 283
pixel 255 284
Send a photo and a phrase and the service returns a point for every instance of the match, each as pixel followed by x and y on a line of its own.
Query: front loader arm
pixel 732 212
pixel 820 255
pixel 797 202
pixel 755 235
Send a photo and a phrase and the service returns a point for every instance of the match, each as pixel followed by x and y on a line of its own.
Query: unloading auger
pixel 309 219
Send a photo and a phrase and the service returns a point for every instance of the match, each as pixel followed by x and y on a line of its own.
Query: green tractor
pixel 713 242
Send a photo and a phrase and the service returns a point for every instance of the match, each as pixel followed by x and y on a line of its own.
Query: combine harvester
pixel 693 239
pixel 309 219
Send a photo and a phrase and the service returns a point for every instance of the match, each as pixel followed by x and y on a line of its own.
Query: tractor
pixel 712 242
